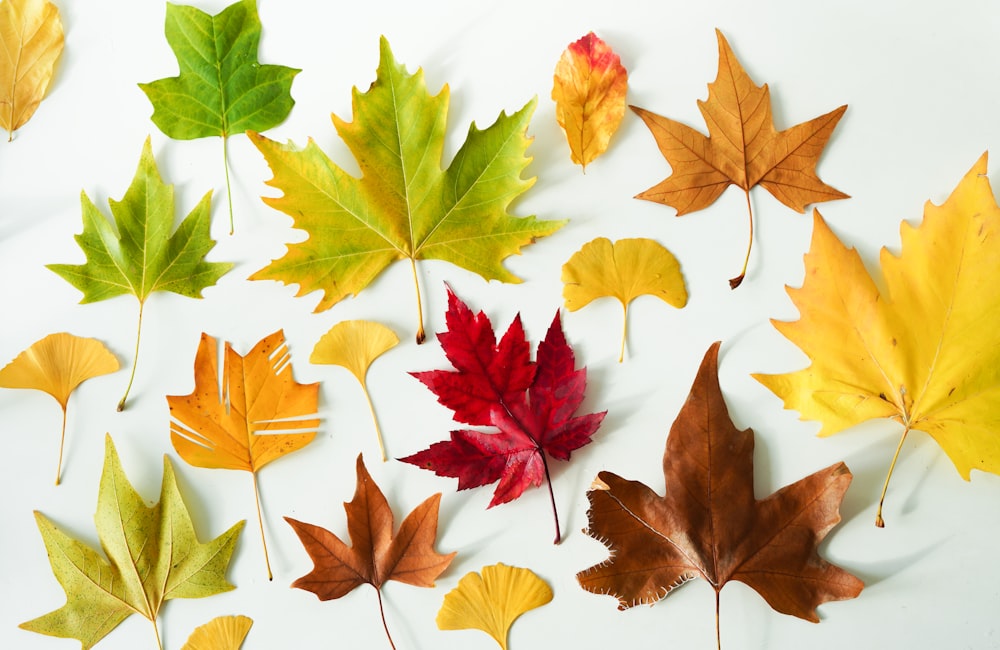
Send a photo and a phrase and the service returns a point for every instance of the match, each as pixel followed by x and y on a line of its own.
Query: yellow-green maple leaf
pixel 925 351
pixel 404 205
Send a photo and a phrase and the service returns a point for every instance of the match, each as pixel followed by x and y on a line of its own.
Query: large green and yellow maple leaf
pixel 404 205
pixel 925 350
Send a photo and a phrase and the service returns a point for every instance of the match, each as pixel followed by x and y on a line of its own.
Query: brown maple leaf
pixel 376 556
pixel 743 148
pixel 709 525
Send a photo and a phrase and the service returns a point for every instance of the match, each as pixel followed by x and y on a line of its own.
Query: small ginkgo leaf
pixel 625 270
pixel 57 364
pixel 589 88
pixel 492 601
pixel 221 633
pixel 355 344
pixel 31 40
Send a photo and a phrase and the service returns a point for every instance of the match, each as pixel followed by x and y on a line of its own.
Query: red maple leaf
pixel 531 404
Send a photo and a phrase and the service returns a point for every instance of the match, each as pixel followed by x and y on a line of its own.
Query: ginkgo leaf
pixel 923 351
pixel 376 555
pixel 354 345
pixel 139 255
pixel 625 270
pixel 589 91
pixel 221 89
pixel 404 206
pixel 57 364
pixel 31 40
pixel 221 633
pixel 743 149
pixel 709 524
pixel 491 602
pixel 153 556
pixel 260 414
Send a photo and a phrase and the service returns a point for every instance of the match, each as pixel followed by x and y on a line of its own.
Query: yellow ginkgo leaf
pixel 57 364
pixel 355 344
pixel 31 40
pixel 625 270
pixel 221 633
pixel 491 602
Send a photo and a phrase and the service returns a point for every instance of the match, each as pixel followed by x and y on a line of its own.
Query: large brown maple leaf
pixel 742 148
pixel 709 525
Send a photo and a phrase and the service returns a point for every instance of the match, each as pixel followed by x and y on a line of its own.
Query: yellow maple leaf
pixel 625 270
pixel 31 40
pixel 221 633
pixel 925 351
pixel 57 364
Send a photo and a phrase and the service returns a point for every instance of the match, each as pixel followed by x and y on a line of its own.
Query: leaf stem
pixel 381 611
pixel 552 495
pixel 879 522
pixel 135 359
pixel 378 431
pixel 421 336
pixel 229 191
pixel 260 520
pixel 156 631
pixel 62 442
pixel 621 352
pixel 735 282
pixel 718 633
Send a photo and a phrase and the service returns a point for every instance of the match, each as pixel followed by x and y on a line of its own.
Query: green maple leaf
pixel 143 256
pixel 221 89
pixel 404 205
pixel 154 556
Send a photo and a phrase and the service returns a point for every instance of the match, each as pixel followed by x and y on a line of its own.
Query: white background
pixel 921 82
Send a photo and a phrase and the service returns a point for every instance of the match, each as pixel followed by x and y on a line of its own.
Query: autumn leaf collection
pixel 908 340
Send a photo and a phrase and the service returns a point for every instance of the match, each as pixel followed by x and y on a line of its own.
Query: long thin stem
pixel 879 522
pixel 229 191
pixel 621 352
pixel 718 633
pixel 260 520
pixel 135 359
pixel 381 610
pixel 156 631
pixel 378 431
pixel 552 496
pixel 62 442
pixel 421 336
pixel 735 282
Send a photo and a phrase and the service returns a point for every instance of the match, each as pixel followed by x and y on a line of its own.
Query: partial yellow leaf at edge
pixel 221 633
pixel 57 364
pixel 491 602
pixel 31 33
pixel 354 345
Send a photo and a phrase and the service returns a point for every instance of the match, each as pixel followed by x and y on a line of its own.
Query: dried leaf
pixel 376 556
pixel 709 525
pixel 154 556
pixel 354 345
pixel 404 206
pixel 625 270
pixel 31 41
pixel 57 364
pixel 491 602
pixel 589 91
pixel 221 633
pixel 260 414
pixel 743 149
pixel 923 351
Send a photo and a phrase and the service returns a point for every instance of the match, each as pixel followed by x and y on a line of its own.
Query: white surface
pixel 924 103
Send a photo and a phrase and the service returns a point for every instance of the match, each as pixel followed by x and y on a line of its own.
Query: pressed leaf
pixel 221 633
pixel 743 149
pixel 493 600
pixel 57 364
pixel 153 556
pixel 625 269
pixel 708 524
pixel 376 555
pixel 221 89
pixel 138 255
pixel 260 414
pixel 923 351
pixel 404 205
pixel 531 404
pixel 31 41
pixel 354 345
pixel 589 91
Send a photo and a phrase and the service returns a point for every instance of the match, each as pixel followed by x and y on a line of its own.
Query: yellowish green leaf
pixel 221 633
pixel 31 40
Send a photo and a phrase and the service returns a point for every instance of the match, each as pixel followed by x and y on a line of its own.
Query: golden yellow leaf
pixel 589 91
pixel 925 351
pixel 491 602
pixel 625 270
pixel 355 344
pixel 57 364
pixel 221 633
pixel 31 40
